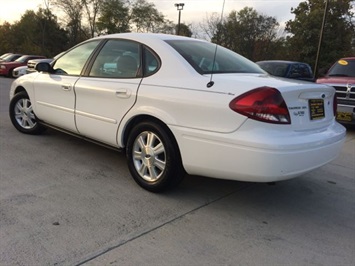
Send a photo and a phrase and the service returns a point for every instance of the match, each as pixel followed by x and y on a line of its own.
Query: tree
pixel 92 9
pixel 74 12
pixel 247 32
pixel 146 18
pixel 209 25
pixel 8 40
pixel 35 33
pixel 305 29
pixel 184 30
pixel 114 17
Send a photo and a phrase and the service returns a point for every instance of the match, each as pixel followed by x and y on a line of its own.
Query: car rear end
pixel 288 130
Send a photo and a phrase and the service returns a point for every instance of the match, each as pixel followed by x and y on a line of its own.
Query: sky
pixel 194 11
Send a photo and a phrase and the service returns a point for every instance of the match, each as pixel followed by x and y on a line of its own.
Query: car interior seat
pixel 127 66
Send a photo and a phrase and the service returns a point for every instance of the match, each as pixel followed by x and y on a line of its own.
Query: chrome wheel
pixel 149 156
pixel 153 156
pixel 24 115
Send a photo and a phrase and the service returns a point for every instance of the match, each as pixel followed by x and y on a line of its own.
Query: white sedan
pixel 178 105
pixel 19 71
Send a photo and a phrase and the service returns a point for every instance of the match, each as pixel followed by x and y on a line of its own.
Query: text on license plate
pixel 344 116
pixel 316 108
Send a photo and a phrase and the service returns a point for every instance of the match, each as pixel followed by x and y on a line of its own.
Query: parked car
pixel 31 65
pixel 342 77
pixel 19 71
pixel 173 106
pixel 4 55
pixel 287 69
pixel 6 68
pixel 10 57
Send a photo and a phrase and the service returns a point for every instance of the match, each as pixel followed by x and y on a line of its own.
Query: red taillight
pixel 335 105
pixel 264 104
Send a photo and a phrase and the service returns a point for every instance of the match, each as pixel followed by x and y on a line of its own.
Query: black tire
pixel 153 157
pixel 11 73
pixel 22 115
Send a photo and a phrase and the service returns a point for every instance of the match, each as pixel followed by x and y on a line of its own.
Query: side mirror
pixel 44 67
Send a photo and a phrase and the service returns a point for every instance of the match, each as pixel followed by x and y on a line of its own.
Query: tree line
pixel 247 32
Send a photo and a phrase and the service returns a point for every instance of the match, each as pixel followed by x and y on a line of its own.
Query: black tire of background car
pixel 173 172
pixel 11 73
pixel 16 101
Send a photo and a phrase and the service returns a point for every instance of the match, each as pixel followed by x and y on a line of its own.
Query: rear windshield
pixel 343 68
pixel 200 56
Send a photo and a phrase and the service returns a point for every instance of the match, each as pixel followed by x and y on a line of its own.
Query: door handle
pixel 66 87
pixel 123 93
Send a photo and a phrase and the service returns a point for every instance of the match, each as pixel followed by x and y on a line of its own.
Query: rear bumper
pixel 258 155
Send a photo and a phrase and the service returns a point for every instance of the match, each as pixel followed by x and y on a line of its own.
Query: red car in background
pixel 9 57
pixel 341 76
pixel 6 68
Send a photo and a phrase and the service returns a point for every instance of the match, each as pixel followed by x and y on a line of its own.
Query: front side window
pixel 117 59
pixel 73 62
pixel 200 56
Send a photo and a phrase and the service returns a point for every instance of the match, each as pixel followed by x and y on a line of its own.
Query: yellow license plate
pixel 316 109
pixel 344 116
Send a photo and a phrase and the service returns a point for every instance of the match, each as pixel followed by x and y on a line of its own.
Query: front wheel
pixel 153 157
pixel 22 115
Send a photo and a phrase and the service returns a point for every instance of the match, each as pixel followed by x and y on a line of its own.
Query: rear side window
pixel 73 62
pixel 343 68
pixel 200 55
pixel 117 59
pixel 151 62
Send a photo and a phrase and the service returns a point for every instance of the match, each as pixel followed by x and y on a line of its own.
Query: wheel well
pixel 144 118
pixel 148 118
pixel 20 89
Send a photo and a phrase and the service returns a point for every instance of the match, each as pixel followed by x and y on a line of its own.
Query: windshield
pixel 343 68
pixel 21 59
pixel 200 56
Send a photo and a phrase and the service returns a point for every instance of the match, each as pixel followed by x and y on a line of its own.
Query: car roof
pixel 30 55
pixel 281 61
pixel 146 36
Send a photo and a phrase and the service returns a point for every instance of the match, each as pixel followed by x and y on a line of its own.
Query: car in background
pixel 287 69
pixel 175 105
pixel 6 68
pixel 341 76
pixel 10 57
pixel 31 65
pixel 19 71
pixel 4 55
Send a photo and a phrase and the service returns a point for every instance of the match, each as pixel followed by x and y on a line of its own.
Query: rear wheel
pixel 22 115
pixel 153 157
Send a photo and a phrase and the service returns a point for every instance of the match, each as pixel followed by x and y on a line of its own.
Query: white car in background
pixel 176 105
pixel 19 71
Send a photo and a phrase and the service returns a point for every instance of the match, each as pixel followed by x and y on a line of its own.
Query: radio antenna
pixel 211 82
